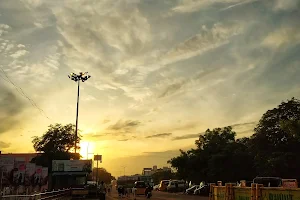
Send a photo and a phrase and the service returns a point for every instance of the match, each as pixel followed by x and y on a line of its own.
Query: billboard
pixel 19 173
pixel 38 175
pixel 98 158
pixel 72 165
pixel 44 181
pixel 29 174
pixel 7 166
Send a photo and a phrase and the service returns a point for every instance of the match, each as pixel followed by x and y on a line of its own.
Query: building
pixel 147 172
pixel 166 169
pixel 27 157
pixel 150 171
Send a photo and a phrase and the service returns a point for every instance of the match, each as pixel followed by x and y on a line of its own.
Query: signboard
pixel 278 194
pixel 72 165
pixel 242 193
pixel 7 166
pixel 44 178
pixel 98 158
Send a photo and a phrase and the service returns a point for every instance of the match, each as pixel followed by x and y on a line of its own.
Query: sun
pixel 86 149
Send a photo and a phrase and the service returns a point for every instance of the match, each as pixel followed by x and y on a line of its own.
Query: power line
pixel 22 93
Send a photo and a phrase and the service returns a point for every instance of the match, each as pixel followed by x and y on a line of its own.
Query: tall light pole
pixel 124 167
pixel 77 78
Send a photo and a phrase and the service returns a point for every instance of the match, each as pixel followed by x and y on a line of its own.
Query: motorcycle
pixel 149 194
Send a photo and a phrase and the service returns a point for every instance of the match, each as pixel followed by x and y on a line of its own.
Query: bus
pixel 268 181
pixel 140 187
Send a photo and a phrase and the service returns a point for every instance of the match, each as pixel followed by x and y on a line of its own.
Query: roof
pixel 69 173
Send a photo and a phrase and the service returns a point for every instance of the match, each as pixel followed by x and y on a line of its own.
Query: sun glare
pixel 87 149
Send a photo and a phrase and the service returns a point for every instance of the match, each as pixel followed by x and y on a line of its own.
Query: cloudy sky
pixel 163 71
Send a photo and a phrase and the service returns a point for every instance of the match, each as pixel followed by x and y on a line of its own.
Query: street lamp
pixel 77 78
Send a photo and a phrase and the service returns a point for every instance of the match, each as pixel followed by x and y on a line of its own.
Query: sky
pixel 162 72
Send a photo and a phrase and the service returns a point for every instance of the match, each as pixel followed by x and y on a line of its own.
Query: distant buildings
pixel 150 171
pixel 147 172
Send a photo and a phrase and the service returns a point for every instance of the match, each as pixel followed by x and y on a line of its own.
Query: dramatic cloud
pixel 124 125
pixel 4 145
pixel 209 39
pixel 10 107
pixel 243 129
pixel 188 136
pixel 160 135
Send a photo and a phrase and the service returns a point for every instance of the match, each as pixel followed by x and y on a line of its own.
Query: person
pixel 120 191
pixel 176 187
pixel 102 191
pixel 109 189
pixel 134 192
pixel 148 192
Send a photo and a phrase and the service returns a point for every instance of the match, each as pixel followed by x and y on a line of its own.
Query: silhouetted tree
pixel 103 175
pixel 56 144
pixel 271 151
pixel 275 142
pixel 162 175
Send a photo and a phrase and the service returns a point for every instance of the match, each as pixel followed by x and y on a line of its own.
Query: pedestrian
pixel 102 191
pixel 134 192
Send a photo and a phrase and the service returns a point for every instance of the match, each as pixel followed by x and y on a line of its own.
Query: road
pixel 159 196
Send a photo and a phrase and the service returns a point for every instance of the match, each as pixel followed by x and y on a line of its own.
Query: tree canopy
pixel 56 144
pixel 103 175
pixel 271 151
pixel 162 175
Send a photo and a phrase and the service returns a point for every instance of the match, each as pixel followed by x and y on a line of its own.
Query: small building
pixel 26 157
pixel 70 173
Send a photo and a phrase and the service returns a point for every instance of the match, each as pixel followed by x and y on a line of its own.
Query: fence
pixel 255 192
pixel 58 194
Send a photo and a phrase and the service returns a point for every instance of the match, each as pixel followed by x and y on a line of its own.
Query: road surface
pixel 158 196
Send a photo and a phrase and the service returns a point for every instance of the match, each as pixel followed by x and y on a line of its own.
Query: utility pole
pixel 124 167
pixel 97 158
pixel 1 180
pixel 97 173
pixel 77 78
pixel 87 152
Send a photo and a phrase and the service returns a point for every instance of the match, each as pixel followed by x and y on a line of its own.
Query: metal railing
pixel 58 194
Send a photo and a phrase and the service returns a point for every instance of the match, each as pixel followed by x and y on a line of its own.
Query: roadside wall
pixel 255 192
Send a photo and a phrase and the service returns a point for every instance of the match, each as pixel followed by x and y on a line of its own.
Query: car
pixel 156 187
pixel 92 189
pixel 204 190
pixel 191 189
pixel 176 186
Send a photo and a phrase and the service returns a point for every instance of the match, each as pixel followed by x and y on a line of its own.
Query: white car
pixel 191 189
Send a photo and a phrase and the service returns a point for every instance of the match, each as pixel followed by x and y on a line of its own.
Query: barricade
pixel 57 195
pixel 255 192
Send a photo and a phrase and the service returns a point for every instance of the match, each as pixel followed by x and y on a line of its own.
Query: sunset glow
pixel 87 149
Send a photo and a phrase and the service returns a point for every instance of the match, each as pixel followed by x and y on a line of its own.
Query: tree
pixel 103 175
pixel 56 144
pixel 271 151
pixel 276 141
pixel 162 175
pixel 215 157
pixel 180 163
pixel 58 138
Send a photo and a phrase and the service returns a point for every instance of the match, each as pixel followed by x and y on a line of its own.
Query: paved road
pixel 159 196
